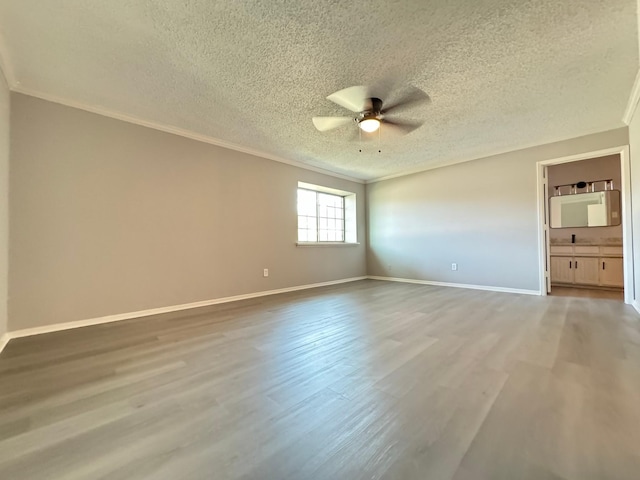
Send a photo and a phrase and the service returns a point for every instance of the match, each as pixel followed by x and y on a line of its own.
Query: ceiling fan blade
pixel 402 128
pixel 329 123
pixel 412 98
pixel 355 98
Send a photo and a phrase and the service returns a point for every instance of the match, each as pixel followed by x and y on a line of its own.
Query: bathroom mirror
pixel 592 209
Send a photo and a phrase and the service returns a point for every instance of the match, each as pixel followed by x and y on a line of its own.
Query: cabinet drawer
pixel 561 250
pixel 586 250
pixel 611 251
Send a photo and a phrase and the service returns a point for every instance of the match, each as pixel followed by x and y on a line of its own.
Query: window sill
pixel 327 244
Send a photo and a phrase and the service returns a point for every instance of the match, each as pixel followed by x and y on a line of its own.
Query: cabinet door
pixel 562 270
pixel 611 272
pixel 586 270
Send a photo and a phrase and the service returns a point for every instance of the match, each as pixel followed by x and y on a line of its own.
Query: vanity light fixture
pixel 590 186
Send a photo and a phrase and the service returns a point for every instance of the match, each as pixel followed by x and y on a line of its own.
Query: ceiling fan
pixel 371 111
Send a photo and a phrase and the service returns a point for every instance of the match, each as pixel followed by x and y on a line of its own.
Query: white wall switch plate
pixel 454 266
pixel 265 272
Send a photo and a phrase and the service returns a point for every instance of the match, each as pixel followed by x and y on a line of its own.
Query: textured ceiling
pixel 501 74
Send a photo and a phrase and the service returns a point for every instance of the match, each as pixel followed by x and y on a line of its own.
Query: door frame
pixel 627 230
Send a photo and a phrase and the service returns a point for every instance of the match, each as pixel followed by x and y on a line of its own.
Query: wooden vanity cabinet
pixel 612 272
pixel 586 271
pixel 587 265
pixel 562 270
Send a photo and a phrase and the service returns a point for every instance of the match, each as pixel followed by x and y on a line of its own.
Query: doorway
pixel 585 225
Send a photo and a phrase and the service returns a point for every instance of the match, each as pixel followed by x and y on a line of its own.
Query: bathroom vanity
pixel 582 264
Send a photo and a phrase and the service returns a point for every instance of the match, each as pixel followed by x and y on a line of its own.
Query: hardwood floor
pixel 369 380
pixel 588 293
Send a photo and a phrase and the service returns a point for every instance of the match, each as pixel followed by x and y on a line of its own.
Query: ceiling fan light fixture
pixel 369 125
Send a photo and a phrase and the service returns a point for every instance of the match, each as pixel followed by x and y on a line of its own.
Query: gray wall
pixel 4 200
pixel 109 217
pixel 634 148
pixel 480 214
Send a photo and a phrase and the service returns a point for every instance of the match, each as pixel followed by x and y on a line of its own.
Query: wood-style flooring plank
pixel 367 380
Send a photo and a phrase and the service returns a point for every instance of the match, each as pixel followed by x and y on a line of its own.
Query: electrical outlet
pixel 454 266
pixel 265 272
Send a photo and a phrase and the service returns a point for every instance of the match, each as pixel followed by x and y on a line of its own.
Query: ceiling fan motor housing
pixel 376 105
pixel 374 113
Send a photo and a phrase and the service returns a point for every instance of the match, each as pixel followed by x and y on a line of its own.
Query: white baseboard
pixel 27 332
pixel 458 285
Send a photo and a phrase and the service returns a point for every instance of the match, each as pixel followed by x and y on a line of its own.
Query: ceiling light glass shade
pixel 369 124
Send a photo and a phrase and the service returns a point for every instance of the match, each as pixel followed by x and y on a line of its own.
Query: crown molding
pixel 5 65
pixel 634 98
pixel 257 153
pixel 426 168
pixel 4 339
pixel 14 85
pixel 176 131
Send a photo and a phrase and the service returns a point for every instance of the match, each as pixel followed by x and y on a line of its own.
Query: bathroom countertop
pixel 609 242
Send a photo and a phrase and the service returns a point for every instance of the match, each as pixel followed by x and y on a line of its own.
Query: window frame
pixel 349 217
pixel 318 218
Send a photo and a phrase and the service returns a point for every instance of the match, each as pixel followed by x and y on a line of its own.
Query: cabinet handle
pixel 569 263
pixel 576 264
pixel 603 265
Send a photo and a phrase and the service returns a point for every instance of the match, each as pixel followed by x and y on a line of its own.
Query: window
pixel 320 217
pixel 325 215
